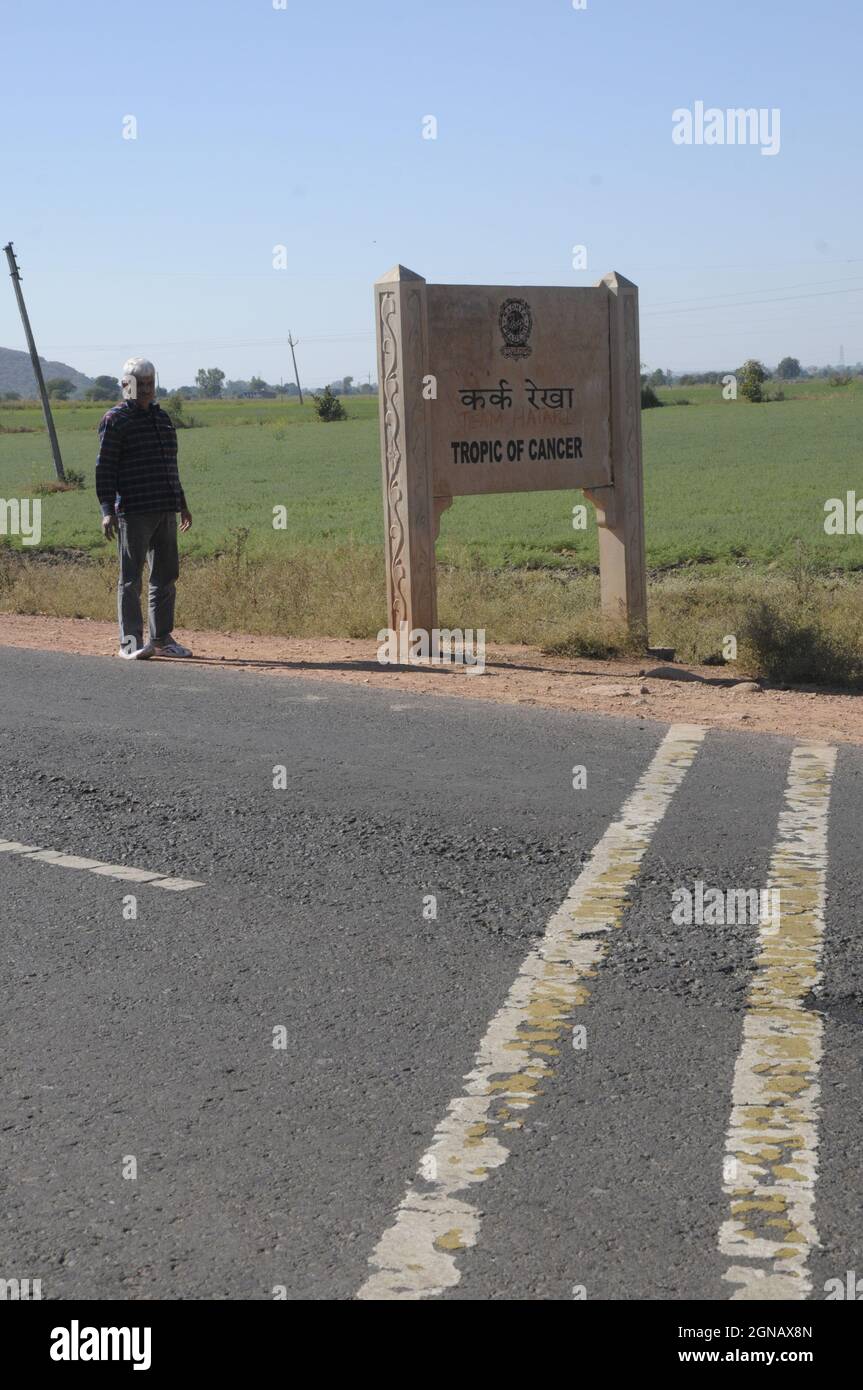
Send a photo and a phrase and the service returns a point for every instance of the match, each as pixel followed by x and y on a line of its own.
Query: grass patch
pixel 789 629
pixel 73 482
pixel 724 480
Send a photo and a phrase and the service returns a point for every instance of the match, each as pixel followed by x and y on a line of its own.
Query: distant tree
pixel 209 381
pixel 257 383
pixel 700 378
pixel 751 377
pixel 789 369
pixel 347 385
pixel 328 406
pixel 11 396
pixel 656 378
pixel 104 388
pixel 59 388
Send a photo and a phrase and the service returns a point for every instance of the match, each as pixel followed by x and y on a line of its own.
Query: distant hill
pixel 16 373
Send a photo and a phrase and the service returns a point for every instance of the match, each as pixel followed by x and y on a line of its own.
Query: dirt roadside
pixel 513 675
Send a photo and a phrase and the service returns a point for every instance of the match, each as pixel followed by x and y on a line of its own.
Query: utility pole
pixel 37 365
pixel 296 373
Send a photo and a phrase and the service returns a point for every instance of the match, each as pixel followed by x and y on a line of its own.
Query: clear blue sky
pixel 303 126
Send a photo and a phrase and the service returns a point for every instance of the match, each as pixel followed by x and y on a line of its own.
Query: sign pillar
pixel 410 519
pixel 620 508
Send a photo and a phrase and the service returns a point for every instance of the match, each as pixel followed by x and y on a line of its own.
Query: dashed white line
pixel 123 872
pixel 439 1217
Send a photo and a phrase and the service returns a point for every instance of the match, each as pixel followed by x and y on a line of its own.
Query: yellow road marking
pixel 416 1256
pixel 772 1144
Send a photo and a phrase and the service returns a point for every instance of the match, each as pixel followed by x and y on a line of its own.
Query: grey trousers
pixel 150 536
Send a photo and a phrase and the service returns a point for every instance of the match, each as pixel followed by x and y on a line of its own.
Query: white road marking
pixel 119 871
pixel 58 860
pixel 439 1217
pixel 771 1157
pixel 65 861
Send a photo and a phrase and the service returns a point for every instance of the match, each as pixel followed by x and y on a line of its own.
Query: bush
pixel 649 398
pixel 791 646
pixel 328 406
pixel 751 376
pixel 173 404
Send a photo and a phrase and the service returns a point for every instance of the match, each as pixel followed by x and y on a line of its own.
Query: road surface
pixel 427 1026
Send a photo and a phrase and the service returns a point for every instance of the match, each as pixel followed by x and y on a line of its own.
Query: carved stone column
pixel 409 513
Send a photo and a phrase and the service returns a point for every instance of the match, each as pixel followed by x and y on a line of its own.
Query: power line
pixel 773 289
pixel 204 343
pixel 750 304
pixel 705 304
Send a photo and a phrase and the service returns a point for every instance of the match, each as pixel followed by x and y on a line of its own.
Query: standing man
pixel 139 490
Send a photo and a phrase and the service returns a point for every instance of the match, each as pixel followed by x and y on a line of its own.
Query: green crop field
pixel 734 496
pixel 725 482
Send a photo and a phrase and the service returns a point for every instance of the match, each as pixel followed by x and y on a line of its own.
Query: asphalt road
pixel 262 1168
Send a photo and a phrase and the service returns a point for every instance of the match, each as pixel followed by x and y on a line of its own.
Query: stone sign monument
pixel 490 388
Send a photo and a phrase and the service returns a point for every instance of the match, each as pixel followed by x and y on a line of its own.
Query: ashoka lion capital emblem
pixel 516 324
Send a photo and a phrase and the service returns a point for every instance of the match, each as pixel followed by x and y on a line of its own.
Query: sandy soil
pixel 513 675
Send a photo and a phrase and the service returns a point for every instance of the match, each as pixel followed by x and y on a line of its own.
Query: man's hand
pixel 185 521
pixel 109 527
